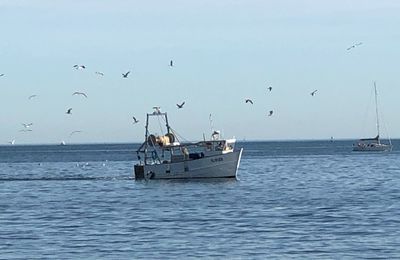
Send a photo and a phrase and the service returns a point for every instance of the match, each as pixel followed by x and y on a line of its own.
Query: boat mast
pixel 166 123
pixel 146 136
pixel 376 110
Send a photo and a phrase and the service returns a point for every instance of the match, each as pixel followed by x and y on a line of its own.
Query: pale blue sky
pixel 223 51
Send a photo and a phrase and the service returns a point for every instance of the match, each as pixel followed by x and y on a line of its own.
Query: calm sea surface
pixel 303 200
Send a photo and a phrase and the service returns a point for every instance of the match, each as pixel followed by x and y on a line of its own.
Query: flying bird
pixel 99 73
pixel 270 112
pixel 12 142
pixel 1 75
pixel 27 125
pixel 354 45
pixel 181 105
pixel 313 93
pixel 125 75
pixel 74 132
pixel 25 130
pixel 32 96
pixel 69 111
pixel 270 89
pixel 135 120
pixel 79 93
pixel 171 63
pixel 248 100
pixel 79 67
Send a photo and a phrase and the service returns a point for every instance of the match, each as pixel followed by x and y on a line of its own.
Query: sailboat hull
pixel 372 148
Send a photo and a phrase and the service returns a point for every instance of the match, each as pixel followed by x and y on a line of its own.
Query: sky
pixel 223 52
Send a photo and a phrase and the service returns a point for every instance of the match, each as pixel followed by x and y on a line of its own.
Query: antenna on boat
pixel 211 123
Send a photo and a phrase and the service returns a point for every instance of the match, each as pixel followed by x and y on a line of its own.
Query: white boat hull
pixel 218 166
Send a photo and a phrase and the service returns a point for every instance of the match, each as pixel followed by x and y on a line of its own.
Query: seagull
pixel 25 130
pixel 79 67
pixel 313 93
pixel 271 112
pixel 157 110
pixel 1 75
pixel 216 132
pixel 69 111
pixel 181 105
pixel 27 125
pixel 171 63
pixel 125 75
pixel 32 96
pixel 74 132
pixel 270 89
pixel 249 101
pixel 135 120
pixel 79 93
pixel 215 135
pixel 12 142
pixel 99 73
pixel 354 45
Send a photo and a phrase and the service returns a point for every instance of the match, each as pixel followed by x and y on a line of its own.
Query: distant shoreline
pixel 238 141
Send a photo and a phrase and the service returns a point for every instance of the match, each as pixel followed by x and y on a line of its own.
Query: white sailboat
pixel 165 157
pixel 373 144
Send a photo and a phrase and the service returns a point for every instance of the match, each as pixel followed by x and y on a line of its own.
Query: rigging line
pixel 175 134
pixel 164 121
pixel 159 124
pixel 366 113
pixel 387 132
pixel 385 128
pixel 178 136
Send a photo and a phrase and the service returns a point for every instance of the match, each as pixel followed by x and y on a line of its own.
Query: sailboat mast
pixel 376 110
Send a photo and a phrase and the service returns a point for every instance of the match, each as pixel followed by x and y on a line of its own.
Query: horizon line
pixel 238 141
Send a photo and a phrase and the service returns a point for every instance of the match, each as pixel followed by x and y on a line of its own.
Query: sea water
pixel 302 199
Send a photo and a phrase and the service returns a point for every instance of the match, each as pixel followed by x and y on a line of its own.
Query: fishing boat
pixel 373 144
pixel 166 157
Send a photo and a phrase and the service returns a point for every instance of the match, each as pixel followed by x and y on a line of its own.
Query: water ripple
pixel 293 200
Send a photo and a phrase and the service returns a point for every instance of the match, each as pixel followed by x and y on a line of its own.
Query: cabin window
pixel 220 146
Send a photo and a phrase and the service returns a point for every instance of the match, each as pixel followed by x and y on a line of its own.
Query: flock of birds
pixel 313 93
pixel 27 126
pixel 271 112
